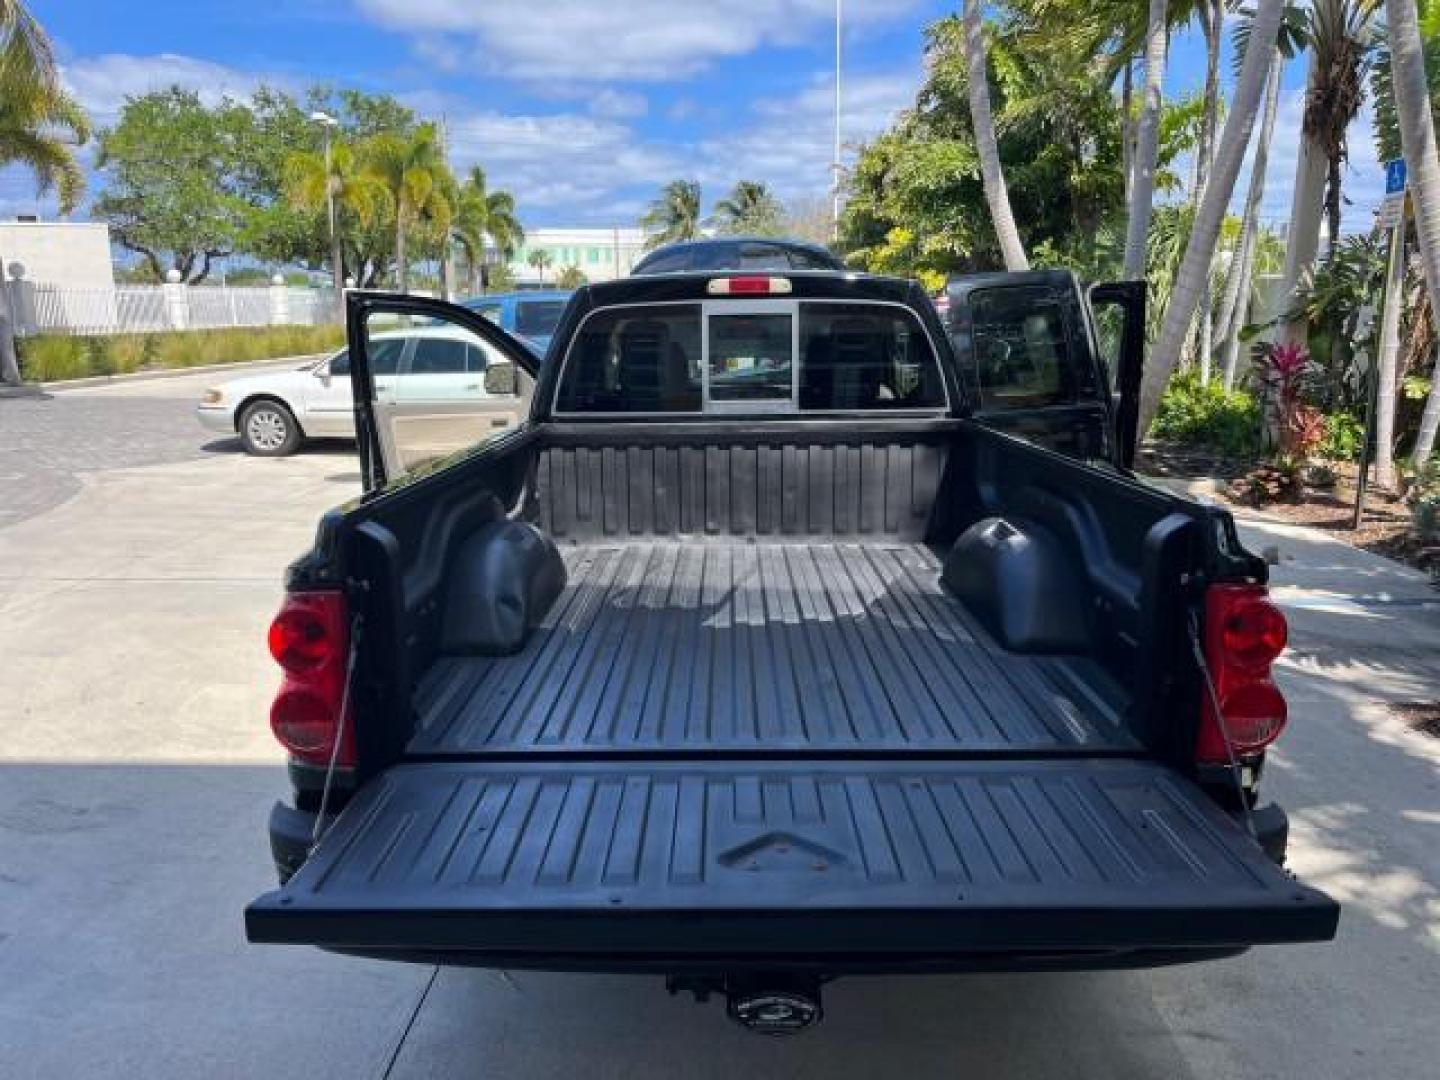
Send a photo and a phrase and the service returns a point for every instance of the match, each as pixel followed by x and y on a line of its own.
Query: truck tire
pixel 268 429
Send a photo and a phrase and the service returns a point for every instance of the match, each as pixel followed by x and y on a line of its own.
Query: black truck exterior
pixel 796 633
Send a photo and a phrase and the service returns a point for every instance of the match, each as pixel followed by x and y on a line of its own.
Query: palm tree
pixel 675 215
pixel 1339 36
pixel 411 167
pixel 1417 138
pixel 1194 271
pixel 983 122
pixel 1147 141
pixel 479 214
pixel 39 125
pixel 749 208
pixel 540 259
pixel 356 193
pixel 1230 320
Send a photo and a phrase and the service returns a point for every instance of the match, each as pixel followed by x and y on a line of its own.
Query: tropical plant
pixel 1197 414
pixel 749 209
pixel 982 123
pixel 1193 276
pixel 412 168
pixel 36 115
pixel 1332 303
pixel 481 214
pixel 540 259
pixel 40 124
pixel 1284 372
pixel 917 204
pixel 570 277
pixel 674 215
pixel 313 183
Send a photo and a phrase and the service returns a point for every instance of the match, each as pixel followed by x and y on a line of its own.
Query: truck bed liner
pixel 737 859
pixel 774 646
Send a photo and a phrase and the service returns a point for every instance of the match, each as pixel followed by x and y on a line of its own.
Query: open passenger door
pixel 1037 354
pixel 430 379
pixel 1117 310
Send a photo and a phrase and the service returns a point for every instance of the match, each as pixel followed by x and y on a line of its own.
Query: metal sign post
pixel 1392 217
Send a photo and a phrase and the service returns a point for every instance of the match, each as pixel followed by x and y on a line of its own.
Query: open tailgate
pixel 800 858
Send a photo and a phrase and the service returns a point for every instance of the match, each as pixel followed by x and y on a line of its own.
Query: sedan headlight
pixel 212 397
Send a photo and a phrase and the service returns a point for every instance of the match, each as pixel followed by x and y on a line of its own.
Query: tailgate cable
pixel 1194 626
pixel 320 827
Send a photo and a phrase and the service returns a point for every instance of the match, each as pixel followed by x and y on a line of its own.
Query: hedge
pixel 56 357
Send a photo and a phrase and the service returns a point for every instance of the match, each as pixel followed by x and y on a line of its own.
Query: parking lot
pixel 140 561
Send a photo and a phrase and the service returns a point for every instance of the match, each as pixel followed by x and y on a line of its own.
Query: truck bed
pixel 774 647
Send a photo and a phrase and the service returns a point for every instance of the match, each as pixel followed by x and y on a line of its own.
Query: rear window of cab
pixel 747 357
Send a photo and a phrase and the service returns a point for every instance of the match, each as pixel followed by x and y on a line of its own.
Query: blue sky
pixel 582 108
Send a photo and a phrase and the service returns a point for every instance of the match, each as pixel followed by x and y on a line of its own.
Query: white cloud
pixel 790 143
pixel 638 40
pixel 617 104
pixel 102 83
pixel 564 164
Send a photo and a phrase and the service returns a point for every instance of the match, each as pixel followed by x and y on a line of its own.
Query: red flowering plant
pixel 1296 428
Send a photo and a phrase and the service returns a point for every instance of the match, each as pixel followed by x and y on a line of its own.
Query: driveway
pixel 136 771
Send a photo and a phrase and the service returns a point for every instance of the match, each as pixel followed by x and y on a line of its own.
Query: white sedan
pixel 273 413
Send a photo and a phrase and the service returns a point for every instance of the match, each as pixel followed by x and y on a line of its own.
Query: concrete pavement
pixel 136 771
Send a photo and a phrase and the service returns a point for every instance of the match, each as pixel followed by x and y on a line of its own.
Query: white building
pixel 600 254
pixel 75 254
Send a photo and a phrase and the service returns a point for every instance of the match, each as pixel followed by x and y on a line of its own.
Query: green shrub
pixel 57 357
pixel 1344 436
pixel 1227 422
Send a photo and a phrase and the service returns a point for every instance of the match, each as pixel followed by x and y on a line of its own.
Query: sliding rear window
pixel 754 356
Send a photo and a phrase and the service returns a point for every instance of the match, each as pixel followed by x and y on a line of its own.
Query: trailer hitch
pixel 765 1003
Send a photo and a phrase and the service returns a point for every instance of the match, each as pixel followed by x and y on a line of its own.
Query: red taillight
pixel 310 640
pixel 1244 633
pixel 753 285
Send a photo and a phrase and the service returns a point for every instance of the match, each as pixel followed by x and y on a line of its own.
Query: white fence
pixel 124 309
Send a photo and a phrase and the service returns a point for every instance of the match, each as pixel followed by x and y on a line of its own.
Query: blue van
pixel 531 316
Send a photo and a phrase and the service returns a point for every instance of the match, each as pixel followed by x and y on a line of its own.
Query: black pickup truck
pixel 797 632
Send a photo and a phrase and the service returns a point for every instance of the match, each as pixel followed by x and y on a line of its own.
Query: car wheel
pixel 268 429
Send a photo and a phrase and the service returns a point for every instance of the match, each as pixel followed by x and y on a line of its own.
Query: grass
pixel 57 357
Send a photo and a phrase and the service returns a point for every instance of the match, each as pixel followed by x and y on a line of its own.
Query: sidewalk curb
pixel 171 373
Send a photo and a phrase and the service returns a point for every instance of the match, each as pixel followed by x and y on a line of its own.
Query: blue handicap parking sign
pixel 1395 176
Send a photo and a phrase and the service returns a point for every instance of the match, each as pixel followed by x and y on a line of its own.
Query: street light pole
pixel 327 124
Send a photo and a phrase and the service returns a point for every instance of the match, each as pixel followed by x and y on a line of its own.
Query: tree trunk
pixel 402 269
pixel 983 122
pixel 1388 361
pixel 1127 127
pixel 1190 281
pixel 1212 14
pixel 1417 137
pixel 1147 143
pixel 1237 283
pixel 337 261
pixel 1303 239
